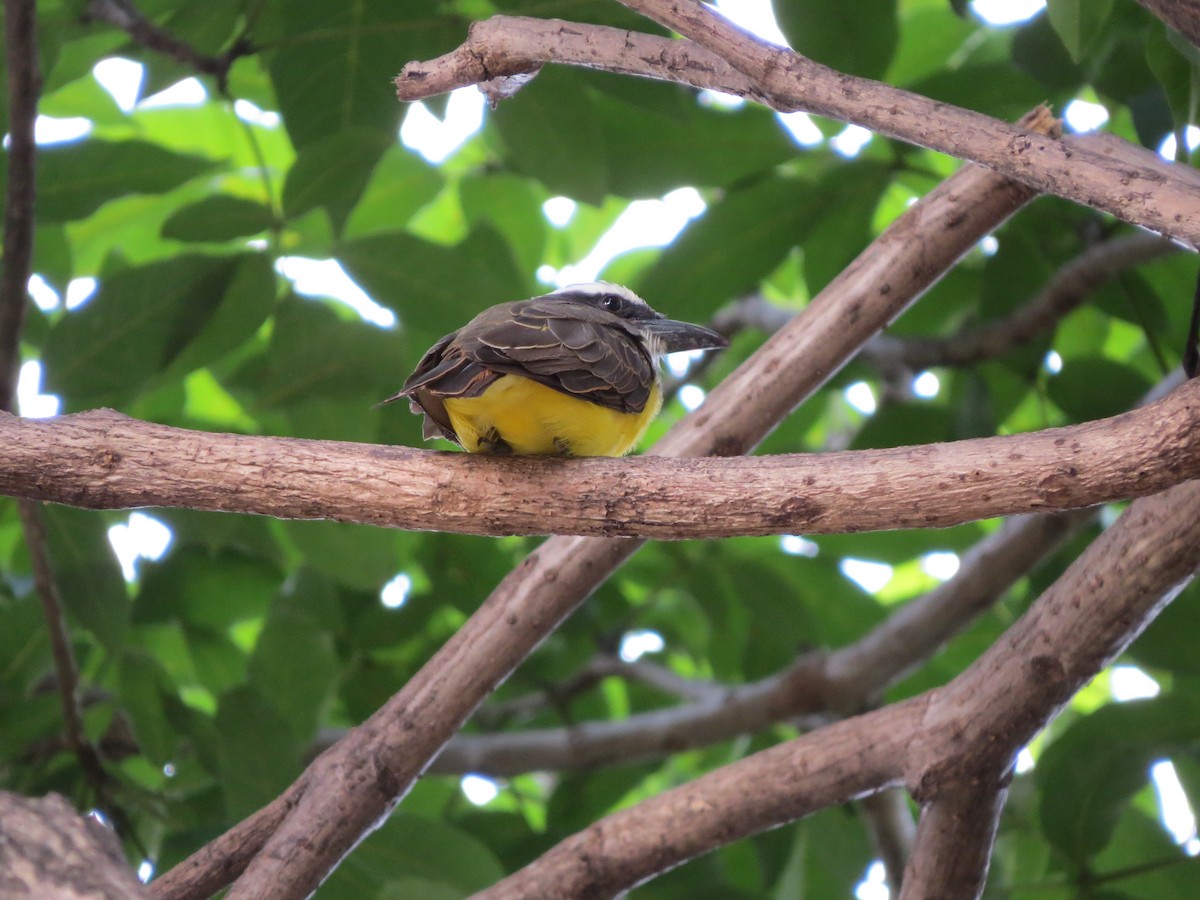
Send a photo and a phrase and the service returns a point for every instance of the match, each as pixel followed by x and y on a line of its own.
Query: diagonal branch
pixel 1182 15
pixel 65 668
pixel 951 746
pixel 1148 194
pixel 1089 170
pixel 347 789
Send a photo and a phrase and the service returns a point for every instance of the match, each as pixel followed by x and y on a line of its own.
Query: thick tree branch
pixel 953 845
pixel 351 786
pixel 841 762
pixel 719 56
pixel 1145 194
pixel 49 851
pixel 1182 15
pixel 507 46
pixel 952 744
pixel 101 459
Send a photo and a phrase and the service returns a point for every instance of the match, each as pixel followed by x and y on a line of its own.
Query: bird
pixel 572 373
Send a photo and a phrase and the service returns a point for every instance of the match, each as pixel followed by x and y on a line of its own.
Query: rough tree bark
pixel 47 850
pixel 104 460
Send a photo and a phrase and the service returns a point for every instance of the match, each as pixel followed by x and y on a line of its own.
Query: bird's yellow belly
pixel 530 418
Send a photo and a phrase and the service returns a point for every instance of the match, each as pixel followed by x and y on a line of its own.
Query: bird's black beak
pixel 677 336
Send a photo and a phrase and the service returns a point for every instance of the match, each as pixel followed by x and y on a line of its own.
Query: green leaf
pixel 334 62
pixel 52 256
pixel 730 248
pixel 257 752
pixel 750 231
pixel 1169 643
pixel 928 40
pixel 989 87
pixel 315 353
pixel 650 147
pixel 144 683
pixel 87 574
pixel 400 185
pixel 213 590
pixel 858 44
pixel 74 180
pixel 332 172
pixel 140 319
pixel 219 663
pixel 220 217
pixel 295 668
pixel 1038 52
pixel 361 556
pixel 1176 70
pixel 513 206
pixel 425 888
pixel 1091 770
pixel 417 847
pixel 1094 387
pixel 24 645
pixel 207 26
pixel 430 286
pixel 247 300
pixel 551 132
pixel 1078 22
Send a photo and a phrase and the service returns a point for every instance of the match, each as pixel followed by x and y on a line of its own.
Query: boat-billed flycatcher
pixel 573 373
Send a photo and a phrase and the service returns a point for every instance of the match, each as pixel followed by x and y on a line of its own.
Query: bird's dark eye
pixel 610 302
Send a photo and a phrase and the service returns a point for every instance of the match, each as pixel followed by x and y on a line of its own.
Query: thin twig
pixel 24 85
pixel 1062 294
pixel 66 670
pixel 892 831
pixel 123 14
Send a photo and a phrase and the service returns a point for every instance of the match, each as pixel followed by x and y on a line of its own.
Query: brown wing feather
pixel 568 346
pixel 444 371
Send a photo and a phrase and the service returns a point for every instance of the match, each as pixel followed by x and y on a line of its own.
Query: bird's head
pixel 661 334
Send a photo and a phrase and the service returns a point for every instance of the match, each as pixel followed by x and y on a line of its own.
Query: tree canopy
pixel 166 241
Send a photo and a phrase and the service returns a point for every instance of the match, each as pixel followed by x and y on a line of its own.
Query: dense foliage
pixel 209 675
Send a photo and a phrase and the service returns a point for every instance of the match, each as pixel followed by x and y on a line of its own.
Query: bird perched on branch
pixel 572 373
